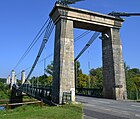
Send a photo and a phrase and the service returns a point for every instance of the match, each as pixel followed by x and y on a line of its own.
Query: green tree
pixel 78 69
pixel 96 78
pixel 4 91
pixel 133 82
pixel 82 81
pixel 45 79
pixel 49 69
pixel 78 74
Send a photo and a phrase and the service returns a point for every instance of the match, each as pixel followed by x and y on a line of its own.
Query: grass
pixel 46 112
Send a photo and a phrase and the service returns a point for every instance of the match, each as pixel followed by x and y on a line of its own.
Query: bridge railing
pixel 46 92
pixel 94 92
pixel 133 95
pixel 39 92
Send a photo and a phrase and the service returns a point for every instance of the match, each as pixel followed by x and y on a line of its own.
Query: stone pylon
pixel 63 75
pixel 113 65
pixel 13 78
pixel 22 77
pixel 8 80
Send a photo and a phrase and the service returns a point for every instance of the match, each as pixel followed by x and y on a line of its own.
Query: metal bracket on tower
pixel 66 2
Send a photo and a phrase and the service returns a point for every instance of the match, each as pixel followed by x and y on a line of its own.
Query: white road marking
pixel 88 117
pixel 108 109
pixel 105 102
pixel 90 105
pixel 125 112
pixel 135 105
pixel 137 115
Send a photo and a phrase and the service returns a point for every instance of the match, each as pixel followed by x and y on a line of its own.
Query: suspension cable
pixel 81 36
pixel 94 36
pixel 48 32
pixel 39 34
pixel 51 54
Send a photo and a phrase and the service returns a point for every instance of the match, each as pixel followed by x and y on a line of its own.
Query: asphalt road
pixel 97 108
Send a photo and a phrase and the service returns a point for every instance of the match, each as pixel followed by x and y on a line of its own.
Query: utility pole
pixel 89 72
pixel 76 82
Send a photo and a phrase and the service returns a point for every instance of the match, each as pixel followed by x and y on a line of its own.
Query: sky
pixel 20 21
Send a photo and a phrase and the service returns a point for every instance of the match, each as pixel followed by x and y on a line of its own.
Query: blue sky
pixel 20 20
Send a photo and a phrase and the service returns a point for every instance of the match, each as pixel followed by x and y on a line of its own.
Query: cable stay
pixel 66 2
pixel 81 35
pixel 48 32
pixel 123 14
pixel 51 54
pixel 94 36
pixel 39 34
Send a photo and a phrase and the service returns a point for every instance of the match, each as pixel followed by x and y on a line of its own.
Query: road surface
pixel 97 108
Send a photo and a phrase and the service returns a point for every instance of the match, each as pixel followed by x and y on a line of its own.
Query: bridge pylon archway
pixel 66 18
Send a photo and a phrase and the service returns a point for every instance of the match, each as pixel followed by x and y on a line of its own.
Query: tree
pixel 42 80
pixel 132 82
pixel 49 69
pixel 78 74
pixel 4 91
pixel 3 80
pixel 78 70
pixel 82 81
pixel 96 78
pixel 136 81
pixel 45 79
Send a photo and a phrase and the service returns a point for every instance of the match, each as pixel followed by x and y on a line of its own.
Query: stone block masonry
pixel 63 77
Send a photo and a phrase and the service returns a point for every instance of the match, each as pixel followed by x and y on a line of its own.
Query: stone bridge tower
pixel 66 18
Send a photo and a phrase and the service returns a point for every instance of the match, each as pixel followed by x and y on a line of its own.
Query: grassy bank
pixel 46 112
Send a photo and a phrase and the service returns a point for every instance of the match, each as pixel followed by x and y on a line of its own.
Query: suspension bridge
pixel 64 18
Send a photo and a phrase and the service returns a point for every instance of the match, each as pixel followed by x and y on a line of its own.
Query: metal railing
pixel 94 92
pixel 38 92
pixel 133 95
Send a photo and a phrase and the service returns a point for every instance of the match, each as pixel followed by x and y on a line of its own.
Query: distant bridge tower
pixel 13 78
pixel 66 18
pixel 22 77
pixel 8 80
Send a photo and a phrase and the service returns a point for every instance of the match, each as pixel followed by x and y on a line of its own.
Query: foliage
pixel 42 80
pixel 2 80
pixel 96 78
pixel 78 70
pixel 82 81
pixel 132 82
pixel 46 112
pixel 49 69
pixel 4 91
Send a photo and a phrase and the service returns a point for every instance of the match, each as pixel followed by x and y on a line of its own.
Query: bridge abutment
pixel 16 97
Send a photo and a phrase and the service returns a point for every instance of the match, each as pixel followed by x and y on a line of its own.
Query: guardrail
pixel 38 92
pixel 94 92
pixel 35 91
pixel 8 106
